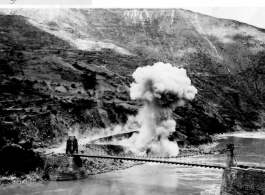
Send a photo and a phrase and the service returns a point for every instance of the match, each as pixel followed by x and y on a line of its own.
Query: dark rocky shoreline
pixel 92 167
pixel 52 164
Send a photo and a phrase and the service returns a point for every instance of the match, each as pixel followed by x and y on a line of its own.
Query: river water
pixel 156 179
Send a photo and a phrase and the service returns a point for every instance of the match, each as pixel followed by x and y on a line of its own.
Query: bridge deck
pixel 151 160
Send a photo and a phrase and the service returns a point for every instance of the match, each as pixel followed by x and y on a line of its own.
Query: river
pixel 156 179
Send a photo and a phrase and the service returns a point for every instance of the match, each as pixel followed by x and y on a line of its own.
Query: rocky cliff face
pixel 71 69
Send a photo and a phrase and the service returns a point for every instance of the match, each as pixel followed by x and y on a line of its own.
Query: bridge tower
pixel 230 156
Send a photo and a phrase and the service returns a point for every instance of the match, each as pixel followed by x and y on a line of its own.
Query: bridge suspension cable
pixel 151 160
pixel 195 159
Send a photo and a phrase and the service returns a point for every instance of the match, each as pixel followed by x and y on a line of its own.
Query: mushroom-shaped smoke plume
pixel 162 87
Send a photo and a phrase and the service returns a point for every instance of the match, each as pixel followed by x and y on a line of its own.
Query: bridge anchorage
pixel 194 160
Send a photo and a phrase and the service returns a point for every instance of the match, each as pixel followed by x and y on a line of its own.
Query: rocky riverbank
pixel 50 164
pixel 24 178
pixel 54 165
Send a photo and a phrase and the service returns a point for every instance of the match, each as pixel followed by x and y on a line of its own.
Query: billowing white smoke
pixel 162 88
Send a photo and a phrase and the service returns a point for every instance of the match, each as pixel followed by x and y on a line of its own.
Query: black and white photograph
pixel 108 97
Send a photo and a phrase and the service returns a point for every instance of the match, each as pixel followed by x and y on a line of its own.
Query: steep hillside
pixel 51 89
pixel 71 69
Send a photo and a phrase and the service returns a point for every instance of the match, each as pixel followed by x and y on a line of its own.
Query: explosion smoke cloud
pixel 161 87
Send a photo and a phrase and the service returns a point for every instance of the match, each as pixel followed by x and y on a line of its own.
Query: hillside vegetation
pixel 70 69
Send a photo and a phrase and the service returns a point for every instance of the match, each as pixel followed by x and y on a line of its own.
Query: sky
pixel 250 15
pixel 46 2
pixel 248 11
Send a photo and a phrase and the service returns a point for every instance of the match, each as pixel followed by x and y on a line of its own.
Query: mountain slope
pixel 76 65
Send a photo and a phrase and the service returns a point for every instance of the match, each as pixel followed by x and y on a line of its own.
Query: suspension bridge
pixel 152 161
pixel 236 178
pixel 193 160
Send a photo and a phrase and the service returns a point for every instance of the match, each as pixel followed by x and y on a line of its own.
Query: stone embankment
pixel 243 181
